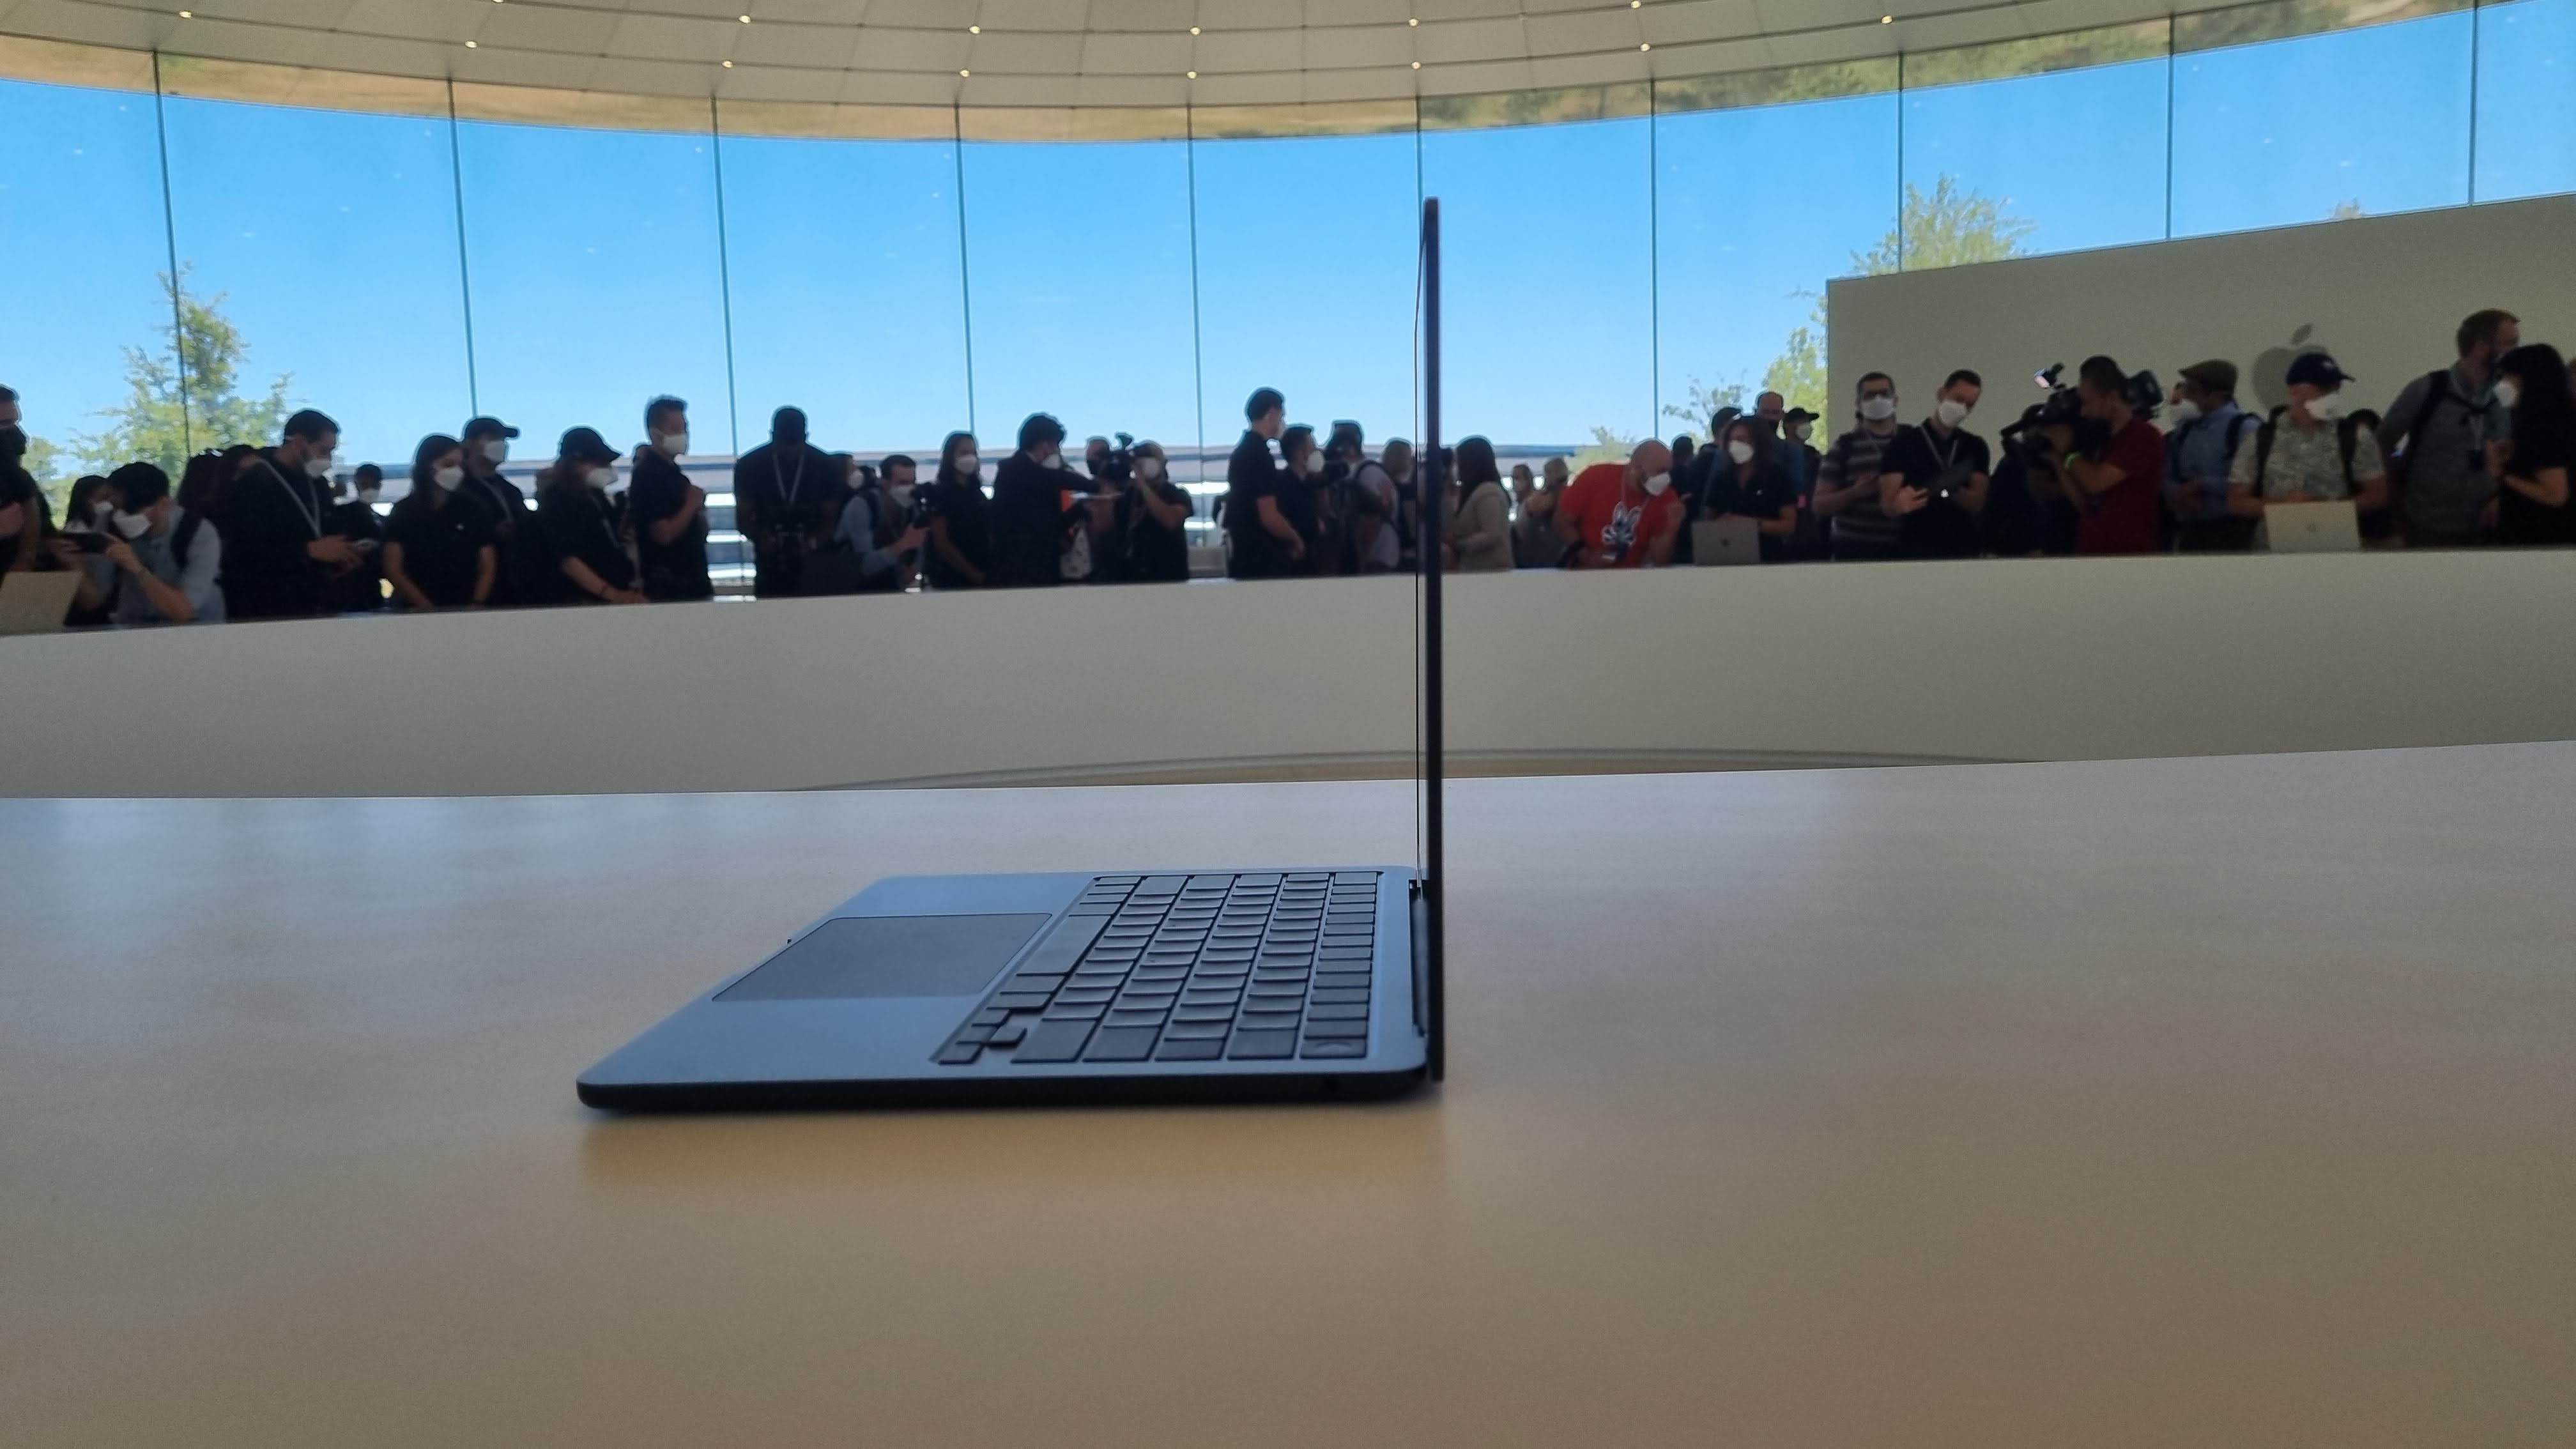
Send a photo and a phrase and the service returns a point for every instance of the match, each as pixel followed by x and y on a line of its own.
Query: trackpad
pixel 890 956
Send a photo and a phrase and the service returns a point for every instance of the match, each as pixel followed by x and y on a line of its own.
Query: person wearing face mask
pixel 161 563
pixel 1032 516
pixel 525 570
pixel 2115 484
pixel 280 552
pixel 669 513
pixel 1847 494
pixel 1534 541
pixel 1263 544
pixel 2309 452
pixel 2532 506
pixel 876 533
pixel 2438 433
pixel 1369 501
pixel 578 525
pixel 1932 479
pixel 2200 453
pixel 1153 516
pixel 439 549
pixel 1623 515
pixel 1476 529
pixel 1295 496
pixel 960 551
pixel 786 495
pixel 1746 482
pixel 23 517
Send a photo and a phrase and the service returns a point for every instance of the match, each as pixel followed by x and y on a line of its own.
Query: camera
pixel 1120 465
pixel 86 542
pixel 2064 407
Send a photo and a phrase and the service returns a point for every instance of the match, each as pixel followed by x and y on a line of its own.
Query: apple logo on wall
pixel 2269 382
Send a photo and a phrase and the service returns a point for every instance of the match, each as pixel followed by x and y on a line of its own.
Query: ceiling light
pixel 1642 45
pixel 961 73
pixel 469 45
pixel 728 65
pixel 1194 30
pixel 187 14
pixel 974 30
pixel 1887 20
pixel 1417 65
pixel 1633 4
pixel 1412 20
pixel 1194 75
pixel 745 19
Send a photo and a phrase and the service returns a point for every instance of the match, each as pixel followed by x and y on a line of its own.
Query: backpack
pixel 2437 391
pixel 2236 427
pixel 184 536
pixel 2347 438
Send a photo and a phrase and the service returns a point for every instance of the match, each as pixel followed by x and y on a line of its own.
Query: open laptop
pixel 1726 541
pixel 1172 984
pixel 36 603
pixel 2312 527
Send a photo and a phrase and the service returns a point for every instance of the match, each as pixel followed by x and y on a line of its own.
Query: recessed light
pixel 1887 20
pixel 1642 45
pixel 1417 65
pixel 961 73
pixel 745 19
pixel 1412 20
pixel 728 65
pixel 974 30
pixel 187 14
pixel 1194 30
pixel 470 45
pixel 1633 4
pixel 1194 75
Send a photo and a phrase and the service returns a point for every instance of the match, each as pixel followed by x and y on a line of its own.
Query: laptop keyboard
pixel 1196 968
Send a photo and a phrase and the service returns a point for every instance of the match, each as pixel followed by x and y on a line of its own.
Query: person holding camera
pixel 2108 463
pixel 879 528
pixel 1932 480
pixel 1152 516
pixel 2312 452
pixel 160 562
pixel 1858 528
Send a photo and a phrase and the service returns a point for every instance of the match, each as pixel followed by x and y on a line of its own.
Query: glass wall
pixel 1620 259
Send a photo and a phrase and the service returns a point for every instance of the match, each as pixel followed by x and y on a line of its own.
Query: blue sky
pixel 1594 268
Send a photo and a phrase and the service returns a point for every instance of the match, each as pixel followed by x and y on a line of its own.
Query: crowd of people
pixel 2473 454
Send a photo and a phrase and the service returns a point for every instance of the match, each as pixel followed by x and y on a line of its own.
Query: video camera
pixel 1121 463
pixel 2064 407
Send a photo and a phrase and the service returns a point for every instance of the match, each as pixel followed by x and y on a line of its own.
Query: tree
pixel 1948 227
pixel 1706 403
pixel 180 393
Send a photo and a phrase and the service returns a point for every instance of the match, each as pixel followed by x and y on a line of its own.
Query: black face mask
pixel 13 442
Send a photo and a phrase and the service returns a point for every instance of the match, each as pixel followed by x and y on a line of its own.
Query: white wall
pixel 2383 294
pixel 2023 659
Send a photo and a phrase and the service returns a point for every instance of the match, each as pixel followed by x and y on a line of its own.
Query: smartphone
pixel 88 542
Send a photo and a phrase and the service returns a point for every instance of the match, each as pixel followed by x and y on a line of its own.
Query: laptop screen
pixel 1430 475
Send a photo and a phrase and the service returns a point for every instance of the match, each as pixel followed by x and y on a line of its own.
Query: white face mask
pixel 1739 450
pixel 2506 394
pixel 2326 407
pixel 497 451
pixel 1951 412
pixel 968 465
pixel 1314 464
pixel 2186 411
pixel 318 467
pixel 132 525
pixel 1656 484
pixel 1798 432
pixel 901 493
pixel 1051 462
pixel 370 495
pixel 602 479
pixel 673 444
pixel 102 514
pixel 448 478
pixel 1878 409
pixel 1149 469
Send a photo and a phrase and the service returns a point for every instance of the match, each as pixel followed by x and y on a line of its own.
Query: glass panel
pixel 335 258
pixel 82 244
pixel 595 281
pixel 2526 99
pixel 1306 280
pixel 2344 124
pixel 1550 292
pixel 847 290
pixel 2039 163
pixel 1756 208
pixel 1078 259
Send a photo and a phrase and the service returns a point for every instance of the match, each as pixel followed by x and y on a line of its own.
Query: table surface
pixel 2189 1102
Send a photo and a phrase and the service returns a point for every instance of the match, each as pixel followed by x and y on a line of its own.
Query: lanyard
pixel 787 487
pixel 1957 441
pixel 303 502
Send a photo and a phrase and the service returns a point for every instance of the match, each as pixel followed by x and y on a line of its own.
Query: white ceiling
pixel 1054 53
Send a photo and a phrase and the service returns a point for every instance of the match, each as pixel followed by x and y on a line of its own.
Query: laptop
pixel 1176 983
pixel 1726 541
pixel 36 603
pixel 2312 527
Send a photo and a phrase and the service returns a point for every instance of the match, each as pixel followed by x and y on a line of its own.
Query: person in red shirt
pixel 2115 488
pixel 1623 515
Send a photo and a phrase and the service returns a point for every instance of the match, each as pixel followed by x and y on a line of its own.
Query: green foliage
pixel 1705 403
pixel 1607 447
pixel 1798 373
pixel 181 393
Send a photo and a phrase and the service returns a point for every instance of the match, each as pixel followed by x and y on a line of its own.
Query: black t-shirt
pixel 970 531
pixel 1761 496
pixel 1941 528
pixel 1251 476
pixel 441 546
pixel 575 520
pixel 777 493
pixel 678 569
pixel 362 588
pixel 1155 554
pixel 2519 520
pixel 506 512
pixel 271 515
pixel 1028 521
pixel 19 487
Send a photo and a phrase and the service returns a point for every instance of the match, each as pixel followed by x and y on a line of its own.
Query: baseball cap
pixel 2317 369
pixel 585 445
pixel 488 428
pixel 1799 415
pixel 2217 374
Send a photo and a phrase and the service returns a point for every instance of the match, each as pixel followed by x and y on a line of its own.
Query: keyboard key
pixel 1120 1044
pixel 1327 977
pixel 1085 995
pixel 1202 1013
pixel 959 1053
pixel 1342 1012
pixel 974 1033
pixel 1019 999
pixel 1259 1045
pixel 1324 1030
pixel 1054 1041
pixel 990 1016
pixel 1338 996
pixel 1252 1020
pixel 1133 1016
pixel 1197 1030
pixel 1162 885
pixel 1087 1011
pixel 1115 880
pixel 1333 1047
pixel 1189 1050
pixel 1093 908
pixel 1276 991
pixel 1032 983
pixel 1055 954
pixel 1009 1033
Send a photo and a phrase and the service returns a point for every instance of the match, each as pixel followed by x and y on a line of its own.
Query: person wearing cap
pixel 2200 453
pixel 668 511
pixel 786 500
pixel 525 571
pixel 280 551
pixel 578 526
pixel 2310 452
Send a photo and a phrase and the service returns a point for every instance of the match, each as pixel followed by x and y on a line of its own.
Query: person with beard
pixel 279 550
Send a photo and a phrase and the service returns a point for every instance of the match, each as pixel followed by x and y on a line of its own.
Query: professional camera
pixel 2064 407
pixel 1121 464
